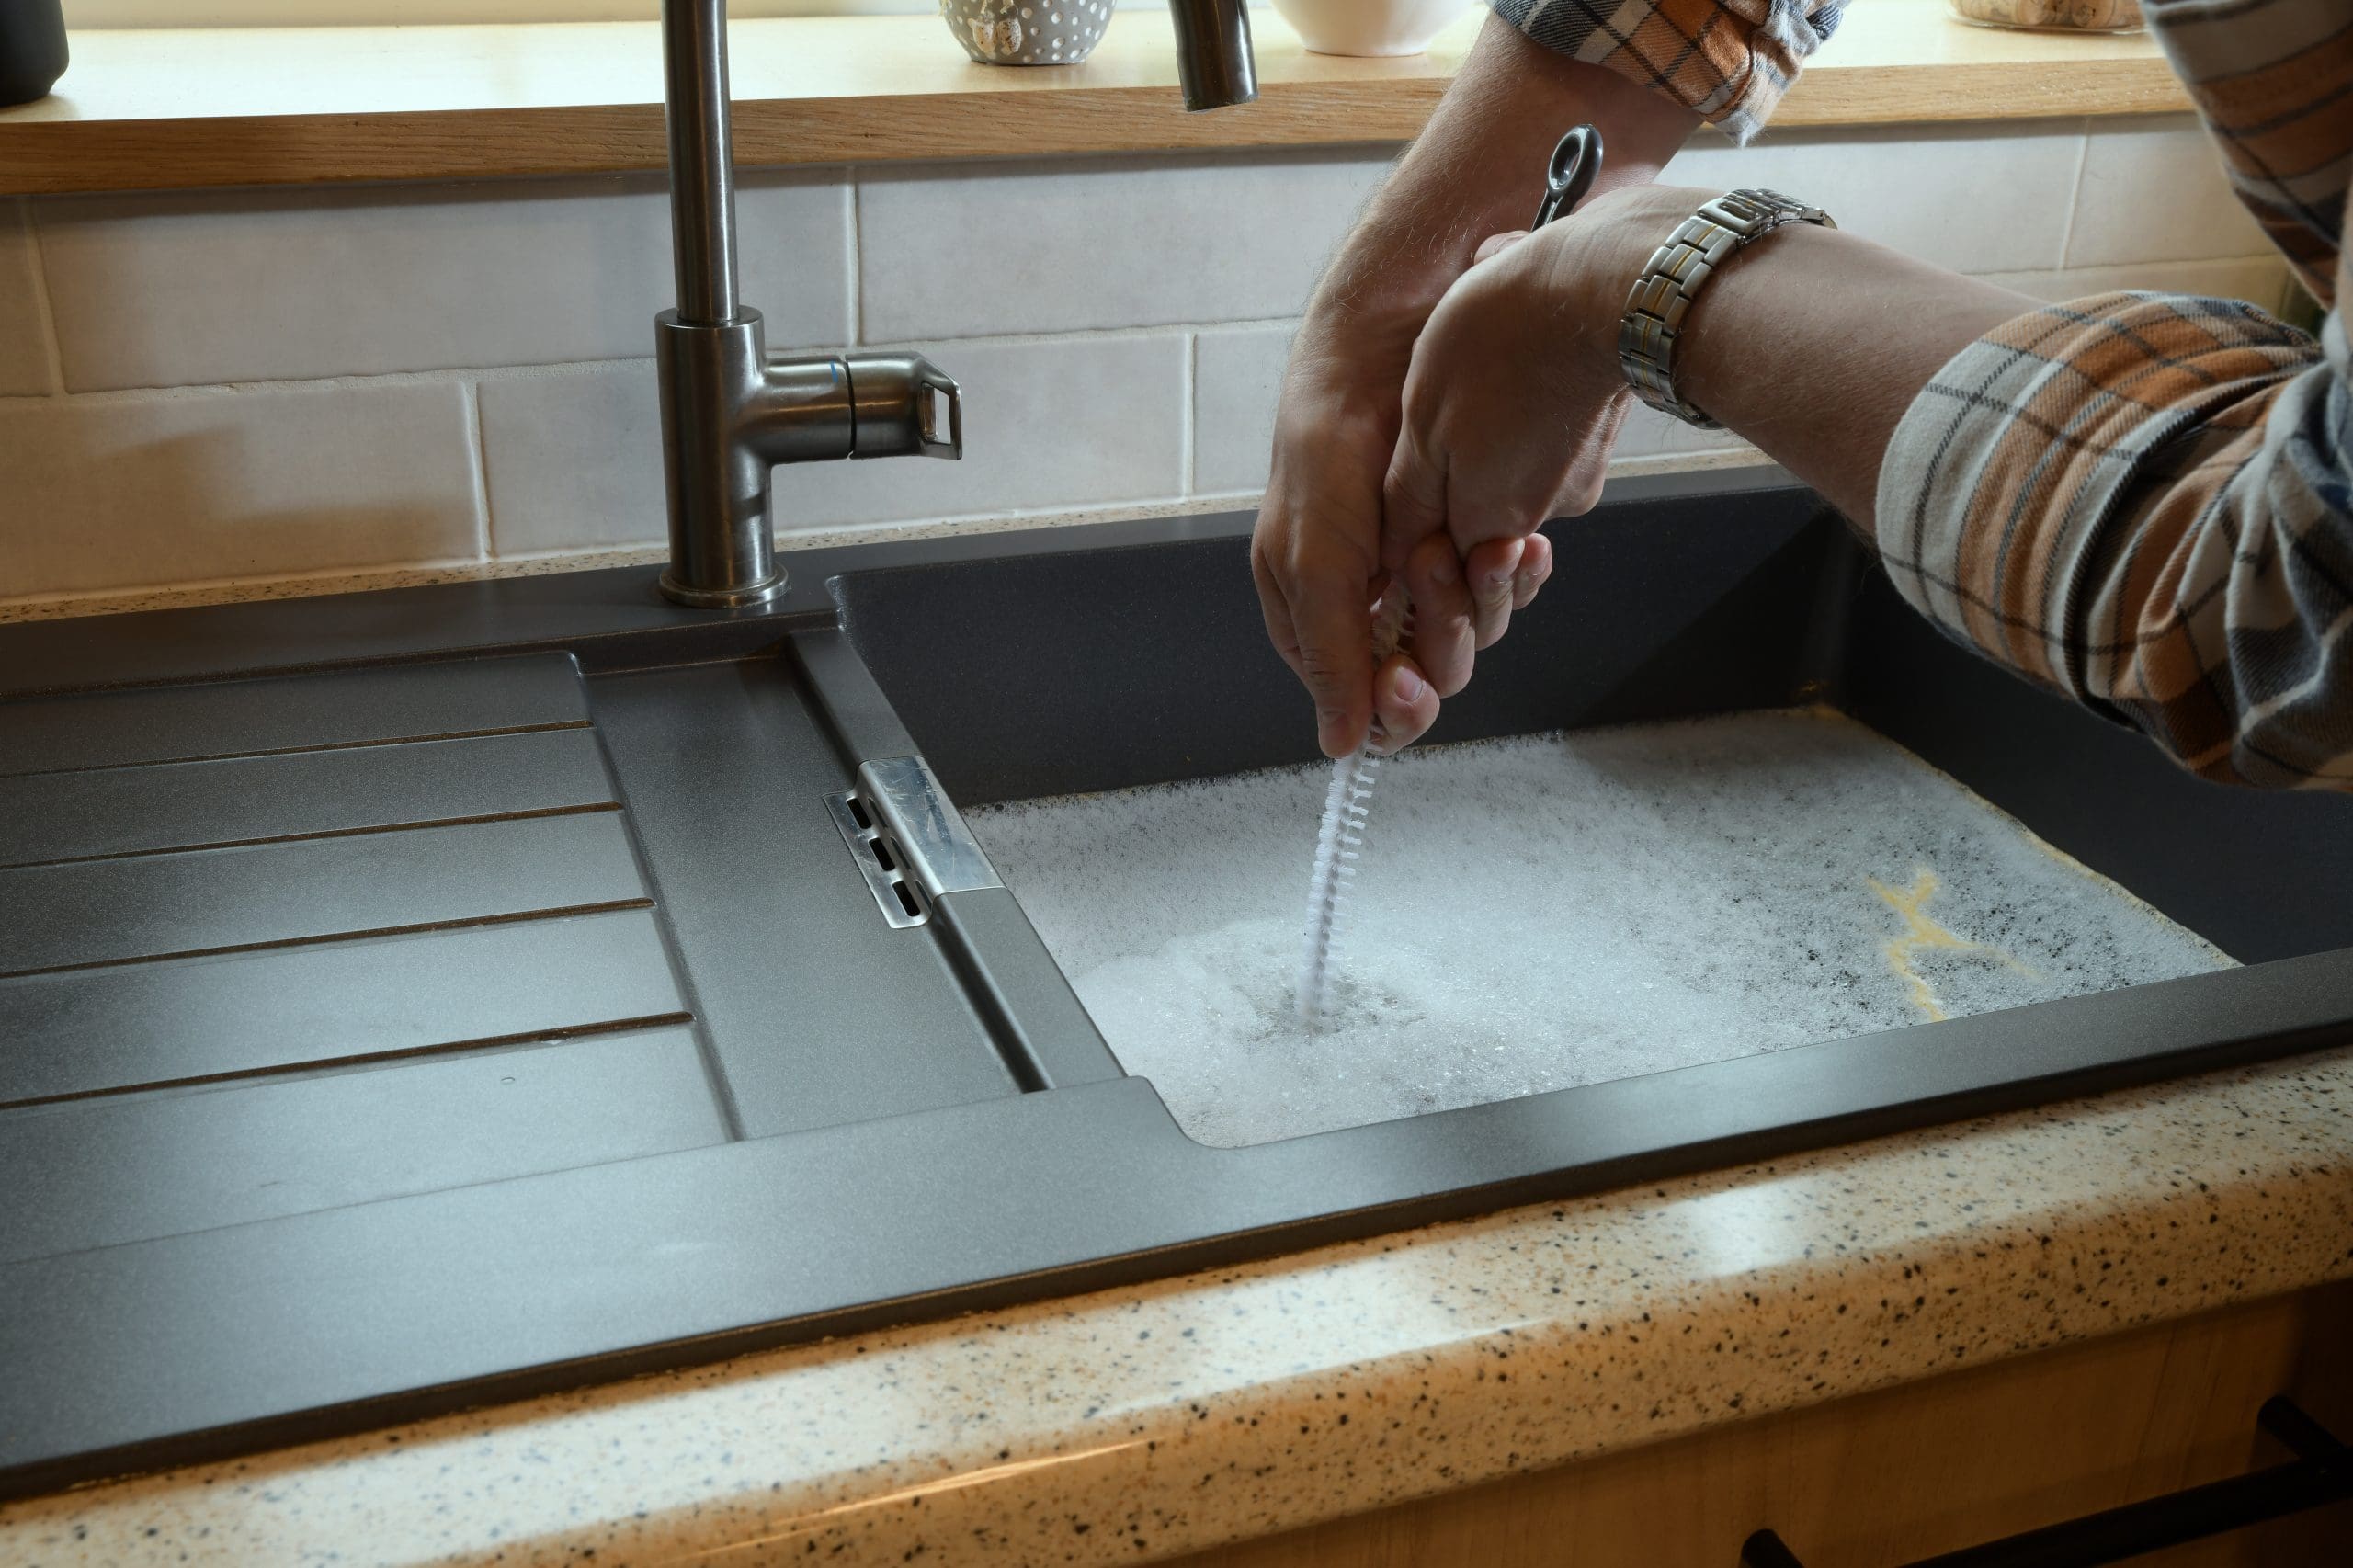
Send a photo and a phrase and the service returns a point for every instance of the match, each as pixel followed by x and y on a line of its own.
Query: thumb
pixel 1332 620
pixel 1413 500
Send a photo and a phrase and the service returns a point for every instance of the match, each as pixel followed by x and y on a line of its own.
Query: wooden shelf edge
pixel 60 156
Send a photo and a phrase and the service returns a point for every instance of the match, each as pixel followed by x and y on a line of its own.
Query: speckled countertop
pixel 1144 1423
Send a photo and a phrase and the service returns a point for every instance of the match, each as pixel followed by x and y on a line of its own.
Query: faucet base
pixel 750 596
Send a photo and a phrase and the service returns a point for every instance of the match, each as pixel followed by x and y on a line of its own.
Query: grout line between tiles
pixel 851 247
pixel 44 311
pixel 479 374
pixel 2074 196
pixel 1090 334
pixel 472 393
pixel 1188 417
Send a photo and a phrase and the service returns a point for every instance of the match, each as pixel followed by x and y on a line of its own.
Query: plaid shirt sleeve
pixel 2138 500
pixel 1728 61
pixel 2145 501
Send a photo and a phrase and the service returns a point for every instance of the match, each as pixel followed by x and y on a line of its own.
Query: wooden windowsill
pixel 273 106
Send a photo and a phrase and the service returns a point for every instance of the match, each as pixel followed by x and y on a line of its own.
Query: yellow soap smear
pixel 1922 934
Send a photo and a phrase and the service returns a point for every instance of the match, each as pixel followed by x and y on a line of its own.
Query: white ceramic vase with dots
pixel 1370 27
pixel 1028 32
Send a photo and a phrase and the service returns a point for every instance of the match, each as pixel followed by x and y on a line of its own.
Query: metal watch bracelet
pixel 1672 279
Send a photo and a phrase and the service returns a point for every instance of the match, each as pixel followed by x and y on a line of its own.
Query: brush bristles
pixel 1340 840
pixel 1339 845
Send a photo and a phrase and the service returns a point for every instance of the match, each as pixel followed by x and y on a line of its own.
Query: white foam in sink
pixel 1555 910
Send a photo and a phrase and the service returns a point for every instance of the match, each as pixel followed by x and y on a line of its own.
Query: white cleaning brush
pixel 1341 839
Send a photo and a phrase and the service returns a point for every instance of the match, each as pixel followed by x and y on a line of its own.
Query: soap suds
pixel 1556 910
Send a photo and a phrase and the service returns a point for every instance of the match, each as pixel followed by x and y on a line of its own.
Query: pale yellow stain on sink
pixel 1922 933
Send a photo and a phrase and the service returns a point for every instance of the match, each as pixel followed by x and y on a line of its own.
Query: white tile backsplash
pixel 1976 197
pixel 107 492
pixel 2154 190
pixel 187 289
pixel 1080 244
pixel 1237 375
pixel 574 456
pixel 24 357
pixel 1101 314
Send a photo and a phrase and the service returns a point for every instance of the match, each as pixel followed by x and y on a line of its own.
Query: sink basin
pixel 422 998
pixel 1542 912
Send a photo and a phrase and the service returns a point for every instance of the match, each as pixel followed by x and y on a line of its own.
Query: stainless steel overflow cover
pixel 901 906
pixel 908 839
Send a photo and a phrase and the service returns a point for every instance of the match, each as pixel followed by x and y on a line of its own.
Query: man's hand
pixel 1511 405
pixel 1500 433
pixel 1317 554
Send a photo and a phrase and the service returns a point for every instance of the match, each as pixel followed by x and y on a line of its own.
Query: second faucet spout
pixel 1215 64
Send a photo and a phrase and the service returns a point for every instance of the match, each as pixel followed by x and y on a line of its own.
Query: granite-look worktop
pixel 1144 1423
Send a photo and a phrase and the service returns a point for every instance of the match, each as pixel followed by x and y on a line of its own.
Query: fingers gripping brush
pixel 1575 162
pixel 1338 843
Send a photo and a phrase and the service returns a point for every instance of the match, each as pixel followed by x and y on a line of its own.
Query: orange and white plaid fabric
pixel 1728 61
pixel 2143 501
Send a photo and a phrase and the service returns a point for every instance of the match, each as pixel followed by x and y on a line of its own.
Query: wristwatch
pixel 1673 278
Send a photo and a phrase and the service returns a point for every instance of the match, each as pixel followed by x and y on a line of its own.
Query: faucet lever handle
pixel 903 406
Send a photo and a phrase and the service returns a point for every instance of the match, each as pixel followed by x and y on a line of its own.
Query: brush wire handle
pixel 1568 179
pixel 1348 806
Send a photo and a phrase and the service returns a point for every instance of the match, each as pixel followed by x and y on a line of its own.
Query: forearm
pixel 1812 343
pixel 2135 499
pixel 1477 170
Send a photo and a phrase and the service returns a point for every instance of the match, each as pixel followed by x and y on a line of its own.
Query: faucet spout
pixel 1215 64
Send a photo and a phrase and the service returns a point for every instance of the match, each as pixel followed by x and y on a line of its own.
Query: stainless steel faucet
pixel 1215 65
pixel 729 413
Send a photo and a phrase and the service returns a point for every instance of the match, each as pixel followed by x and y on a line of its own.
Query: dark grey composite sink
pixel 416 999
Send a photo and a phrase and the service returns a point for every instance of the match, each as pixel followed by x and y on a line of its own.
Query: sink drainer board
pixel 416 999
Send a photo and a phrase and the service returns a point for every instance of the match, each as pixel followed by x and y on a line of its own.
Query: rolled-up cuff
pixel 2014 481
pixel 1727 61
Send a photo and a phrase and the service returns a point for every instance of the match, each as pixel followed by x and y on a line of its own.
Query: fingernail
pixel 1409 687
pixel 1443 570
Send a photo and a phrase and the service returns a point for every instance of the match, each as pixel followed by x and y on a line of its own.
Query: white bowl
pixel 1370 27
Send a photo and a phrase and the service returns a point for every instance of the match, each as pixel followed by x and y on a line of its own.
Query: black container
pixel 32 49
